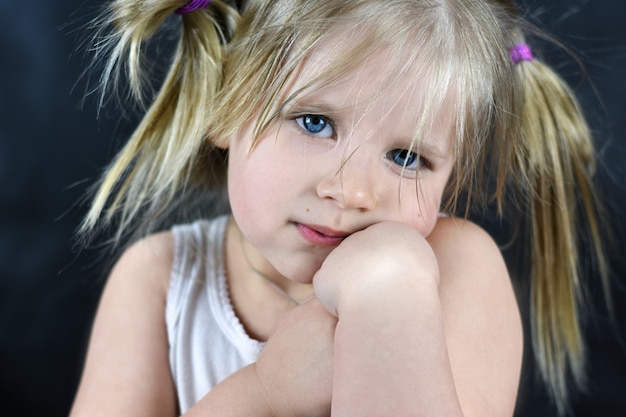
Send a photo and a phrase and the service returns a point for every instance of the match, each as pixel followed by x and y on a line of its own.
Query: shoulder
pixel 466 252
pixel 147 262
pixel 471 261
pixel 155 252
pixel 471 265
pixel 453 237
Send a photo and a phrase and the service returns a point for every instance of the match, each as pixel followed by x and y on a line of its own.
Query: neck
pixel 260 273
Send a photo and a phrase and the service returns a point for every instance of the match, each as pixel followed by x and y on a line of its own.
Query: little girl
pixel 348 135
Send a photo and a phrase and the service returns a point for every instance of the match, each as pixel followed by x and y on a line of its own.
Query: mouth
pixel 320 235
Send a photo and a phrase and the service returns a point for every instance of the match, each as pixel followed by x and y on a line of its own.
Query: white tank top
pixel 206 339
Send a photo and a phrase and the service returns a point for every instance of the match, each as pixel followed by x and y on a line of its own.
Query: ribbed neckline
pixel 222 305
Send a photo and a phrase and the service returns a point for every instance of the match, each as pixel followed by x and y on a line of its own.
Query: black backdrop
pixel 52 148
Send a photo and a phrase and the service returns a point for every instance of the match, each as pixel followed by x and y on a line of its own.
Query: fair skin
pixel 413 314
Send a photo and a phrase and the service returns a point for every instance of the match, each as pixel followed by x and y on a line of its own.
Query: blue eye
pixel 316 125
pixel 407 159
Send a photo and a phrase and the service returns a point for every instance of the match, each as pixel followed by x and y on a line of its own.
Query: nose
pixel 352 186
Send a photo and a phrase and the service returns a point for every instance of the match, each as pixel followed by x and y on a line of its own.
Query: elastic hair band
pixel 521 52
pixel 192 5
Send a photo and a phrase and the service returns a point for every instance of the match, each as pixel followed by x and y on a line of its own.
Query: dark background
pixel 52 147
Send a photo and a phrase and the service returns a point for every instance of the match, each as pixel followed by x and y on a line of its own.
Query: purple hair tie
pixel 521 52
pixel 192 5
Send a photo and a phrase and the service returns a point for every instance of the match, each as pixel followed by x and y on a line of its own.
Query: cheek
pixel 238 196
pixel 246 187
pixel 257 190
pixel 428 223
pixel 425 219
pixel 421 210
pixel 244 191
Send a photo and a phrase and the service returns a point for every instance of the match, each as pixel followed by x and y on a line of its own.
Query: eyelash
pixel 395 154
pixel 304 119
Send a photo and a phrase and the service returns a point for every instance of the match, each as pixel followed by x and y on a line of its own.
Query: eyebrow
pixel 306 105
pixel 428 149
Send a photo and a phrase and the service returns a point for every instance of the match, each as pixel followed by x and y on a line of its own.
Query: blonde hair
pixel 519 124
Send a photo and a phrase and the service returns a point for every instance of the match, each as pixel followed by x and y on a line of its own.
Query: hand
pixel 374 260
pixel 295 367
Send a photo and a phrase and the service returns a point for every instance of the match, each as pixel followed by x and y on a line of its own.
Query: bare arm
pixel 481 319
pixel 435 333
pixel 127 370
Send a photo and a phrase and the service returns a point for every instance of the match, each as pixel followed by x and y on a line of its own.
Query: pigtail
pixel 161 154
pixel 556 163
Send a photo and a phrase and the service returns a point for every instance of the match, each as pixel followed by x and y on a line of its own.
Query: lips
pixel 320 235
